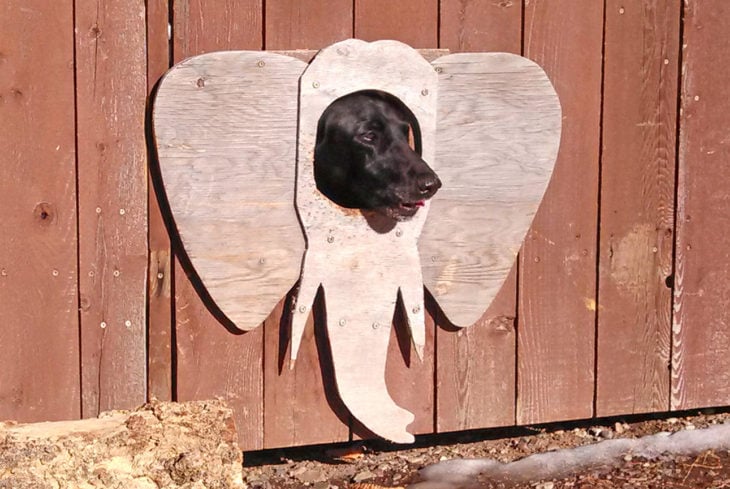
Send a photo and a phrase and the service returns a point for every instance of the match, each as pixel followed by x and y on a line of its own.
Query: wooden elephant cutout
pixel 235 135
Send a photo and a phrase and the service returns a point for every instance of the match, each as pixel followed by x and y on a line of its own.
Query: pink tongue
pixel 420 203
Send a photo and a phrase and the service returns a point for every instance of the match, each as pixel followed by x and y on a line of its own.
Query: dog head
pixel 363 159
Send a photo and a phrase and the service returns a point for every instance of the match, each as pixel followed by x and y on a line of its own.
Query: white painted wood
pixel 362 259
pixel 225 125
pixel 496 143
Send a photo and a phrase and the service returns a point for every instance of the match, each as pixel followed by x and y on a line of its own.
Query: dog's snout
pixel 428 184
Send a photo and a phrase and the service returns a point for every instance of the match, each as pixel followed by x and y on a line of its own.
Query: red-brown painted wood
pixel 39 336
pixel 160 306
pixel 701 339
pixel 307 24
pixel 111 87
pixel 301 404
pixel 414 22
pixel 211 359
pixel 475 379
pixel 557 284
pixel 637 206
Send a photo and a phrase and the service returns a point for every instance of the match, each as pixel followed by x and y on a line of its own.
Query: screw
pixel 160 276
pixel 261 64
pixel 424 92
pixel 122 212
pixel 330 239
pixel 315 84
pixel 128 324
pixel 416 309
pixel 398 232
pixel 54 273
pixel 376 325
pixel 102 325
pixel 343 322
pixel 91 273
pixel 262 260
pixel 439 69
pixel 4 272
pixel 116 273
pixel 98 210
pixel 302 308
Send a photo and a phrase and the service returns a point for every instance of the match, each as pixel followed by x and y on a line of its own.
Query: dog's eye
pixel 369 137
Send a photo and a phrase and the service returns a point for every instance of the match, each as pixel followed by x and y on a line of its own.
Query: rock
pixel 311 475
pixel 162 445
pixel 363 476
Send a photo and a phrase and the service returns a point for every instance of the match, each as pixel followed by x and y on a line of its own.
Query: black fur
pixel 362 158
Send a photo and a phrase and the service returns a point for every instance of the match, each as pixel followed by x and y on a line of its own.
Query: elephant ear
pixel 497 138
pixel 226 130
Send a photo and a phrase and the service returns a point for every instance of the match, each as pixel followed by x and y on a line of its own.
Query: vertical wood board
pixel 39 336
pixel 301 405
pixel 476 366
pixel 414 22
pixel 202 27
pixel 478 26
pixel 209 358
pixel 637 208
pixel 111 86
pixel 701 338
pixel 556 317
pixel 307 24
pixel 160 261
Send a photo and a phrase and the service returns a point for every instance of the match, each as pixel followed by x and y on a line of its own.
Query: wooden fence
pixel 619 302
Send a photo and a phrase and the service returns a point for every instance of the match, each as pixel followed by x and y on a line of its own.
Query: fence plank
pixel 301 405
pixel 701 341
pixel 414 22
pixel 475 26
pixel 212 361
pixel 556 319
pixel 307 24
pixel 410 381
pixel 637 206
pixel 39 366
pixel 476 366
pixel 160 306
pixel 201 27
pixel 111 89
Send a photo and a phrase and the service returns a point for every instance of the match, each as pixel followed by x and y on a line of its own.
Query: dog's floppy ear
pixel 226 130
pixel 497 138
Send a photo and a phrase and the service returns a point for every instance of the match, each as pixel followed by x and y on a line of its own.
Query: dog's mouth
pixel 403 210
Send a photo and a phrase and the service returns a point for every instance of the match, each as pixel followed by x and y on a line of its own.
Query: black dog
pixel 363 159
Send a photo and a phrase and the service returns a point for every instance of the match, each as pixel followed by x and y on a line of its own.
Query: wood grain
pixel 39 364
pixel 225 128
pixel 201 27
pixel 349 252
pixel 556 325
pixel 637 206
pixel 301 404
pixel 160 261
pixel 414 22
pixel 307 24
pixel 221 357
pixel 479 26
pixel 479 362
pixel 700 361
pixel 497 138
pixel 111 86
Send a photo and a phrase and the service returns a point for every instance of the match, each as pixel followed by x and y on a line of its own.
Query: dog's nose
pixel 428 185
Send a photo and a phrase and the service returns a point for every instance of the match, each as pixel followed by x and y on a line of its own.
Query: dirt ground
pixel 376 464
